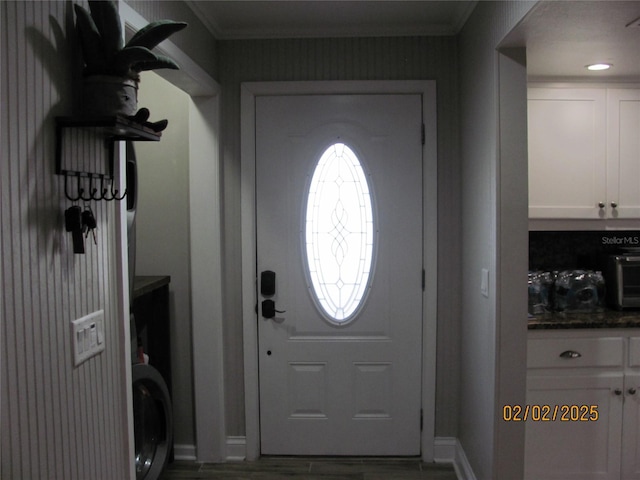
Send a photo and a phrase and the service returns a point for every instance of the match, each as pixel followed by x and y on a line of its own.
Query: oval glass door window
pixel 339 234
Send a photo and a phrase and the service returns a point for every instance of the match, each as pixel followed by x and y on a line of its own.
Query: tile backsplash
pixel 569 250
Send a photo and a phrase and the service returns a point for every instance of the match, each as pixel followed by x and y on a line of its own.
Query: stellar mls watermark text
pixel 628 240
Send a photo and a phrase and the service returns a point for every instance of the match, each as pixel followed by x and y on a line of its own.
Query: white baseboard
pixel 449 450
pixel 446 450
pixel 462 465
pixel 184 452
pixel 236 449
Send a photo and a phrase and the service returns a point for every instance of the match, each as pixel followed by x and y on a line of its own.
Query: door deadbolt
pixel 268 283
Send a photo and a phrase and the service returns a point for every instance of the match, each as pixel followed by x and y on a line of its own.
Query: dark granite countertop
pixel 604 319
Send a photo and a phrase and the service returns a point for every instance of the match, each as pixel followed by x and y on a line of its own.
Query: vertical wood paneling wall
pixel 58 421
pixel 383 58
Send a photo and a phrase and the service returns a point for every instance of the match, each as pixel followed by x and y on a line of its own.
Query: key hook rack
pixel 99 184
pixel 107 193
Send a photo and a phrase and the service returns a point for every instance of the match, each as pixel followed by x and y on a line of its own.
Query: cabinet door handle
pixel 614 205
pixel 570 354
pixel 617 391
pixel 601 204
pixel 632 391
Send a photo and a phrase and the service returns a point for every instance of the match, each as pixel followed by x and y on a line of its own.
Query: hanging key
pixel 89 223
pixel 73 224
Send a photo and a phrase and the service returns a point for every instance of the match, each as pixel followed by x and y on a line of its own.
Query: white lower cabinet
pixel 631 428
pixel 574 447
pixel 583 401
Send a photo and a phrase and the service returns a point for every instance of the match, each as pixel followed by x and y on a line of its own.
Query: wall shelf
pixel 86 172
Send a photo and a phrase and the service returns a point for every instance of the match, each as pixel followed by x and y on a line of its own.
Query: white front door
pixel 340 359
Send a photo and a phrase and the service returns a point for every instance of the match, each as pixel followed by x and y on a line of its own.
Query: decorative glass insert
pixel 339 233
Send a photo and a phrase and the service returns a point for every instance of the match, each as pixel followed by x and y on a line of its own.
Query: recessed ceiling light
pixel 599 66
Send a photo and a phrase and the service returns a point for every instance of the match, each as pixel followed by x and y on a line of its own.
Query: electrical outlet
pixel 87 336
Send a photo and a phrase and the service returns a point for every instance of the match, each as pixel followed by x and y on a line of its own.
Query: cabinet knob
pixel 632 391
pixel 614 205
pixel 617 391
pixel 601 204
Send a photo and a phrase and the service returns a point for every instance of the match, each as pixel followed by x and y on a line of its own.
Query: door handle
pixel 269 309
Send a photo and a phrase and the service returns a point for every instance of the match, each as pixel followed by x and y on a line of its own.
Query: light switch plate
pixel 484 283
pixel 87 335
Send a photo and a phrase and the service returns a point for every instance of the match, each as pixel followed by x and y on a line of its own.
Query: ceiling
pixel 241 19
pixel 561 37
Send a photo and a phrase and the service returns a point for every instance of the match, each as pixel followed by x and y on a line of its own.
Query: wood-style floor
pixel 278 468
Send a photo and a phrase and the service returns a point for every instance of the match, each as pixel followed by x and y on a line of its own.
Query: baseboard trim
pixel 236 449
pixel 449 450
pixel 184 452
pixel 446 450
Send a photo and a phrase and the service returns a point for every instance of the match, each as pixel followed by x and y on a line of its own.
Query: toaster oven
pixel 623 281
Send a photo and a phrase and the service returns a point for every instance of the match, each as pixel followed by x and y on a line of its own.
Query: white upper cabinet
pixel 623 153
pixel 584 153
pixel 567 152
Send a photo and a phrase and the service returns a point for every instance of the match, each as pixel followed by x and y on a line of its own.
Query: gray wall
pixel 407 58
pixel 163 220
pixel 494 226
pixel 162 231
pixel 58 421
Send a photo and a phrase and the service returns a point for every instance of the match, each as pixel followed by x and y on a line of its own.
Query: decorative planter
pixel 105 95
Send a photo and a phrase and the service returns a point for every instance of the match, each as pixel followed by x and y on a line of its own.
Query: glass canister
pixel 540 285
pixel 579 291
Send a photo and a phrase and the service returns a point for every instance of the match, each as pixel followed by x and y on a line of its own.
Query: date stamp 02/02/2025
pixel 550 413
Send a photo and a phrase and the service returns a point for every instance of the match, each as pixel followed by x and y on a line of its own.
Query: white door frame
pixel 250 91
pixel 205 251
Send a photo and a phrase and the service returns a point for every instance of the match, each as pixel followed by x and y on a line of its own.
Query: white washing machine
pixel 153 422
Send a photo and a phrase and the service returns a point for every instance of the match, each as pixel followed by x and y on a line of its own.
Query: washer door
pixel 153 422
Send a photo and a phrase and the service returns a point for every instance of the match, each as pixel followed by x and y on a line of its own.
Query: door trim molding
pixel 249 92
